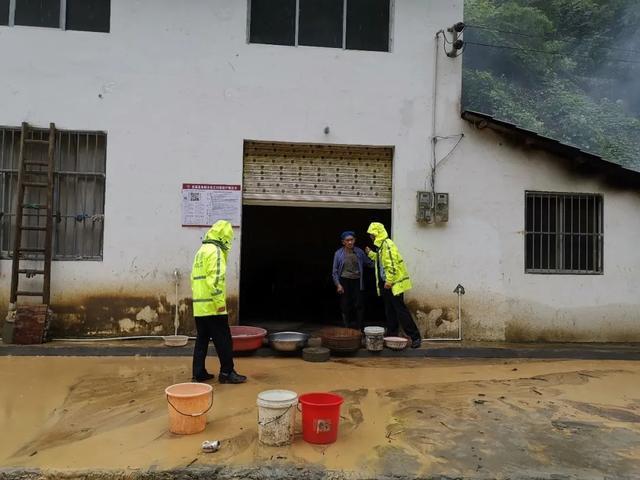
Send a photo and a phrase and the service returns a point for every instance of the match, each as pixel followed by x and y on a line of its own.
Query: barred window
pixel 563 233
pixel 79 189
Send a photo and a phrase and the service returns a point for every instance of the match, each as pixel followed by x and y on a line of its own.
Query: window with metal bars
pixel 84 15
pixel 347 24
pixel 79 189
pixel 563 233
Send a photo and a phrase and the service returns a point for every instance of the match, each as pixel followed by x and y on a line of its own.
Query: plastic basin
pixel 247 339
pixel 176 340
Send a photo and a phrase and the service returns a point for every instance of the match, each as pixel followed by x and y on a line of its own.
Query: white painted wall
pixel 181 88
pixel 178 89
pixel 482 247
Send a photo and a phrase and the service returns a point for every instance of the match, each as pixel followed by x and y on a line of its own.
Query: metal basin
pixel 288 341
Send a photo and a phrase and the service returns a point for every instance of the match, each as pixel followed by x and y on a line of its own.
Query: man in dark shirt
pixel 348 264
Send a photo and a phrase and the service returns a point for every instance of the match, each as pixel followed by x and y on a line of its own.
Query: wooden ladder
pixel 32 175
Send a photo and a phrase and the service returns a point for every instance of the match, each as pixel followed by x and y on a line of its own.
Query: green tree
pixel 567 69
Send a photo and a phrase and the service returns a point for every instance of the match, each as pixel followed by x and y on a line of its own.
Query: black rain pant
pixel 215 328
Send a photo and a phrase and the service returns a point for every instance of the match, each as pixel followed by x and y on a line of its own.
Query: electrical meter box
pixel 442 207
pixel 425 207
pixel 432 208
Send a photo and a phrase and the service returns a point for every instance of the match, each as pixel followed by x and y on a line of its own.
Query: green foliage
pixel 561 75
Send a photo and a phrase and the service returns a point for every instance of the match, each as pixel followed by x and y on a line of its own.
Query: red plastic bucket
pixel 320 417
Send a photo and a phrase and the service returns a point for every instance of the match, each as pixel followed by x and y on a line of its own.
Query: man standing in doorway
pixel 348 277
pixel 392 280
pixel 209 289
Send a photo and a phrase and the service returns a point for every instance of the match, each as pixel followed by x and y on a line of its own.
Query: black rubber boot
pixel 232 377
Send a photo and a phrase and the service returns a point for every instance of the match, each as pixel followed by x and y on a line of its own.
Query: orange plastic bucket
pixel 188 404
pixel 320 417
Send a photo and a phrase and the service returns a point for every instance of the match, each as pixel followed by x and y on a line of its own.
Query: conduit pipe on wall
pixel 106 339
pixel 176 318
pixel 434 96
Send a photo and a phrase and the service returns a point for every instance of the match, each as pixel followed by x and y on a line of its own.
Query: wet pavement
pixel 402 418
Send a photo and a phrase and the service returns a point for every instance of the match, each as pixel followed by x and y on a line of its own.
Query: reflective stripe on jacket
pixel 395 270
pixel 208 275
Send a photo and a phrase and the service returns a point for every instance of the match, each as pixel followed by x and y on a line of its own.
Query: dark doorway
pixel 286 260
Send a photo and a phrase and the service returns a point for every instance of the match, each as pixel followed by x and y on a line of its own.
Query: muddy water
pixel 399 416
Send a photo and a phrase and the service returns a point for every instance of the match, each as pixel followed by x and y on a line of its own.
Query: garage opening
pixel 286 260
pixel 297 199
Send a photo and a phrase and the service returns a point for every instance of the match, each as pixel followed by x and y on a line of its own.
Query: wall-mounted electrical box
pixel 442 207
pixel 425 207
pixel 432 208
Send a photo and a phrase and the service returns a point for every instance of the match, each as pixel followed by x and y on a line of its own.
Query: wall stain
pixel 122 315
pixel 485 317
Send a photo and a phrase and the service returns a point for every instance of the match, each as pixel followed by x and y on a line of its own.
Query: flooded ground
pixel 406 417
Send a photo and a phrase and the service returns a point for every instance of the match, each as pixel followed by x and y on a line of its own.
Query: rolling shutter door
pixel 335 175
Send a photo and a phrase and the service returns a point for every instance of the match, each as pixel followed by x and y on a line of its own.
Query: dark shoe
pixel 204 378
pixel 232 377
pixel 417 343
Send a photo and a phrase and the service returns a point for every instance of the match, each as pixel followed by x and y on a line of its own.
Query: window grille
pixel 79 189
pixel 563 233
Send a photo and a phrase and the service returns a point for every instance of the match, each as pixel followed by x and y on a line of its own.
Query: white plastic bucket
pixel 276 416
pixel 374 338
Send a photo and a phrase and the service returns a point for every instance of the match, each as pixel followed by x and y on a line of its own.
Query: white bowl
pixel 396 343
pixel 176 340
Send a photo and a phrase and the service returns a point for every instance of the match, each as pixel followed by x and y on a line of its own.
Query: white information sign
pixel 204 204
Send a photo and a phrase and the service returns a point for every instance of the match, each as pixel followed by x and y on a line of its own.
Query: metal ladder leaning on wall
pixel 33 174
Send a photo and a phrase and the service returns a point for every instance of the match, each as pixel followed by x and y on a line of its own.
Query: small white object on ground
pixel 210 446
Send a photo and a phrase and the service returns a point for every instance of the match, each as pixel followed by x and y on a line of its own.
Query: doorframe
pixel 312 204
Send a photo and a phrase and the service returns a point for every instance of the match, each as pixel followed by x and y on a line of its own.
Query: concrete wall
pixel 178 89
pixel 482 247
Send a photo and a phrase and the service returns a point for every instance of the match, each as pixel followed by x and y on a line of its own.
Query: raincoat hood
pixel 221 233
pixel 377 229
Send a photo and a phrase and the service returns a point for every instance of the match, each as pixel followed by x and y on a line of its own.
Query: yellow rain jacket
pixel 208 275
pixel 394 268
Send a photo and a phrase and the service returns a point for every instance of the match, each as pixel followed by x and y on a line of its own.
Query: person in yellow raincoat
pixel 392 280
pixel 209 289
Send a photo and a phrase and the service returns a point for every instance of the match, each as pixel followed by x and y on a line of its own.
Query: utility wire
pixel 509 47
pixel 547 37
pixel 459 136
pixel 444 46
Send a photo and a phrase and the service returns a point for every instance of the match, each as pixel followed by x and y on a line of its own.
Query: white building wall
pixel 178 88
pixel 482 247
